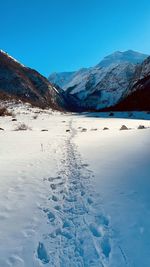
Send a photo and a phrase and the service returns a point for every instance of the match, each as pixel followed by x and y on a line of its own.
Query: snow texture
pixel 74 198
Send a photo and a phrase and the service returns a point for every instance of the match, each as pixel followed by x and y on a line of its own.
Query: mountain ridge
pixel 54 77
pixel 103 85
pixel 27 84
pixel 117 86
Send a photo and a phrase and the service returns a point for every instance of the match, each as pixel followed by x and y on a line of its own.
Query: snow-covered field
pixel 73 194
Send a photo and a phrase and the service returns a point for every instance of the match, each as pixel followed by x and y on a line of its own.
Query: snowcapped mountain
pixel 61 79
pixel 26 84
pixel 137 96
pixel 103 85
pixel 118 57
pixel 111 87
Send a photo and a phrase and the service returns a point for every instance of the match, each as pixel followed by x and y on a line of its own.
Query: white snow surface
pixel 78 197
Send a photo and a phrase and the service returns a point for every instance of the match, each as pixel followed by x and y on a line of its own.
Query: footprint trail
pixel 79 235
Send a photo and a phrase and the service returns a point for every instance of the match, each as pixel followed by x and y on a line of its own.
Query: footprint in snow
pixel 105 245
pixel 102 220
pixel 89 200
pixel 82 193
pixel 96 231
pixel 66 224
pixel 99 229
pixel 50 214
pixel 54 198
pixel 57 207
pixel 53 186
pixel 42 253
pixel 64 233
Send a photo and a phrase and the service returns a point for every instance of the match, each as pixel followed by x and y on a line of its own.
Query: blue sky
pixel 64 35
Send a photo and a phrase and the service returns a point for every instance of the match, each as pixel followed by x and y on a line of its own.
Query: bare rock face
pixel 20 82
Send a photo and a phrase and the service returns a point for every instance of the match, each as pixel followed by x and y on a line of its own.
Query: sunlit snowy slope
pixel 71 193
pixel 103 85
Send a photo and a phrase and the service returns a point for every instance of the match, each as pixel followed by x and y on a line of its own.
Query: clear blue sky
pixel 64 35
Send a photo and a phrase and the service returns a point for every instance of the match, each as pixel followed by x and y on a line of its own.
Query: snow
pixel 126 56
pixel 61 78
pixel 74 198
pixel 3 52
pixel 120 162
pixel 103 85
pixel 99 87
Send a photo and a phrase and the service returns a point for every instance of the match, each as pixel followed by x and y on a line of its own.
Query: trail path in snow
pixel 78 234
pixel 55 211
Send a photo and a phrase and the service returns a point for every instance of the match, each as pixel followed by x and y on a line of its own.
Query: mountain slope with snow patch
pixel 103 85
pixel 23 83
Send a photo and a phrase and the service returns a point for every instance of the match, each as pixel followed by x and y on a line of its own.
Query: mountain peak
pixel 118 57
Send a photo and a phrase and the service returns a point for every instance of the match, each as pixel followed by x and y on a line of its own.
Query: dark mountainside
pixel 137 96
pixel 20 82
